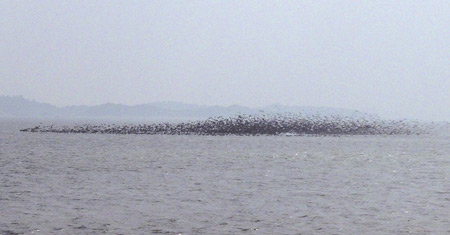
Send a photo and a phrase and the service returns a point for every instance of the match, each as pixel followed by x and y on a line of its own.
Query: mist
pixel 384 57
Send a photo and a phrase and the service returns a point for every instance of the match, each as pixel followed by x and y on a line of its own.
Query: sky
pixel 391 58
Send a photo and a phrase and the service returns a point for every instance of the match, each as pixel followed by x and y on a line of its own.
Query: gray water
pixel 136 184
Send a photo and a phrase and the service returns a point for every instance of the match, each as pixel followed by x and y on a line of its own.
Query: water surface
pixel 140 184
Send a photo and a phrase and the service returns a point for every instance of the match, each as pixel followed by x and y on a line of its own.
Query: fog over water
pixel 71 63
pixel 383 57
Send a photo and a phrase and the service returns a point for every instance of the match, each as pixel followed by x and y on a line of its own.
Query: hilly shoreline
pixel 18 106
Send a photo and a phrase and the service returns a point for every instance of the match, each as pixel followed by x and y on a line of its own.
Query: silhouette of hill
pixel 18 106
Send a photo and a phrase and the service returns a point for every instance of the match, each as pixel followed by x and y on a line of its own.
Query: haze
pixel 386 57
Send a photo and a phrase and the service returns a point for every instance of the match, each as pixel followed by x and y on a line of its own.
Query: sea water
pixel 158 184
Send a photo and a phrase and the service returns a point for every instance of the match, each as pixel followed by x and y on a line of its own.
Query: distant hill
pixel 18 106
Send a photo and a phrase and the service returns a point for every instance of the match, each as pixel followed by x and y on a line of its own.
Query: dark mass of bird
pixel 276 124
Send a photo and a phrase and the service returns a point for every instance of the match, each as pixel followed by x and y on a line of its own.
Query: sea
pixel 162 184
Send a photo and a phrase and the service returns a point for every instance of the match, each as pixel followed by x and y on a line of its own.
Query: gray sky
pixel 386 57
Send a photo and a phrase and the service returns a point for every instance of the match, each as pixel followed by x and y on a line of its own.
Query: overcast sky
pixel 385 57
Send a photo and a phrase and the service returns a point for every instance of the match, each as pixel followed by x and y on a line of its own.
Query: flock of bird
pixel 276 124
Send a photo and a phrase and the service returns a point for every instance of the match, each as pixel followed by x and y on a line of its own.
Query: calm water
pixel 128 184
